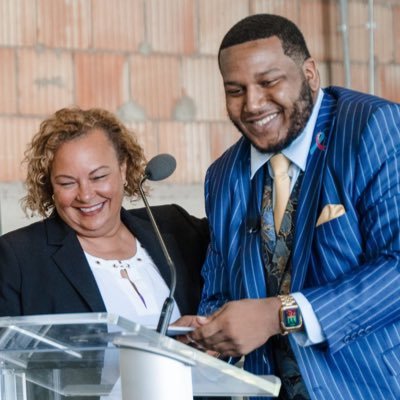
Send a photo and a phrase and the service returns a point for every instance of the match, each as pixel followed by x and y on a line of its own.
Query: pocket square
pixel 329 212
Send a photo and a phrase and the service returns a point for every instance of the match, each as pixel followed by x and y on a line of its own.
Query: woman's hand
pixel 193 321
pixel 188 320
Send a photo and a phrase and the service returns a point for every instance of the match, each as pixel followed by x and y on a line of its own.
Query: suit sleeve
pixel 366 298
pixel 10 280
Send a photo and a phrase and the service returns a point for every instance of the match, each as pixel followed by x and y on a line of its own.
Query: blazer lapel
pixel 310 191
pixel 144 232
pixel 71 260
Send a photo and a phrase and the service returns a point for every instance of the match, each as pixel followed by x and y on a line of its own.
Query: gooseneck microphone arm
pixel 158 168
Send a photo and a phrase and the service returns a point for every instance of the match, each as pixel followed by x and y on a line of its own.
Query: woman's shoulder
pixel 171 216
pixel 162 212
pixel 26 230
pixel 25 235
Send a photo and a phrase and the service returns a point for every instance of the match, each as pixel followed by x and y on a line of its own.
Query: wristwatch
pixel 289 315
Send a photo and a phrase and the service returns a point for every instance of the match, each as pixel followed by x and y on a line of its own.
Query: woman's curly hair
pixel 68 124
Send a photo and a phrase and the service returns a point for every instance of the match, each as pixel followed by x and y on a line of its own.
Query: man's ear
pixel 311 73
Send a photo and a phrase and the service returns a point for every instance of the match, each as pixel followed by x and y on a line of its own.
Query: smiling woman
pixel 64 127
pixel 88 192
pixel 89 254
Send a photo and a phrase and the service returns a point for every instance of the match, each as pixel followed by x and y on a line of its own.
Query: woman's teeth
pixel 91 209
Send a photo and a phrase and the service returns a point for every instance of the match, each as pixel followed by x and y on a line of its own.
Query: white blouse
pixel 133 288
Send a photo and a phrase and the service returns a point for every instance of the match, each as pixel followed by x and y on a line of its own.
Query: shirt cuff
pixel 313 332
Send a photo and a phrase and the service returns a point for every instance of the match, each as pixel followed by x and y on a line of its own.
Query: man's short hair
pixel 262 26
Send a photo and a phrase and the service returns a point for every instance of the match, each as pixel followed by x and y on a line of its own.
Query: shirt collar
pixel 298 150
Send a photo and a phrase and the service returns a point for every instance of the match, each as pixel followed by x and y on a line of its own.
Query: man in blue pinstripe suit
pixel 342 305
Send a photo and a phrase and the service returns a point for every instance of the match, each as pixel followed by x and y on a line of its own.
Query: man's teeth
pixel 90 209
pixel 265 120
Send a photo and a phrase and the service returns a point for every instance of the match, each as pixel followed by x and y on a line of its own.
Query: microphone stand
pixel 166 311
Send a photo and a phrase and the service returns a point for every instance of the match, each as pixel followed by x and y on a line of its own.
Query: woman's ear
pixel 122 168
pixel 311 74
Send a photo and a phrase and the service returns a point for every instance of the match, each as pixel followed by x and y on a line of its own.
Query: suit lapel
pixel 254 274
pixel 72 262
pixel 310 191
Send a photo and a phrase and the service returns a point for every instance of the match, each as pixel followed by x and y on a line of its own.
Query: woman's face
pixel 88 184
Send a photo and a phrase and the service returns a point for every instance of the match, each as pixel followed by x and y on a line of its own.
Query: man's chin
pixel 270 147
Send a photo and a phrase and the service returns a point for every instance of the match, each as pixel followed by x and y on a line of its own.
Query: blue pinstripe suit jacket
pixel 348 268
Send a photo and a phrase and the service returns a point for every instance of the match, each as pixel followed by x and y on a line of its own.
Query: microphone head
pixel 160 167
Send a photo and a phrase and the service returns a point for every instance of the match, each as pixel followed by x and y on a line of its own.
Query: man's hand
pixel 238 327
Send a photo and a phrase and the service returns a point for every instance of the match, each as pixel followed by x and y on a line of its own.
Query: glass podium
pixel 105 357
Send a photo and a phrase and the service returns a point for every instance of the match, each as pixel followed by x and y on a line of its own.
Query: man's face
pixel 269 98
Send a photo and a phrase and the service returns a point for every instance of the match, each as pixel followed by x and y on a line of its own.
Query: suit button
pixel 361 332
pixel 346 339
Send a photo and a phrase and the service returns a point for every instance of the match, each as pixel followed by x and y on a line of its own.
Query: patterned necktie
pixel 280 166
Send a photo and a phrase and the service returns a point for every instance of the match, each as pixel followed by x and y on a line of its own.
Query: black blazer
pixel 43 269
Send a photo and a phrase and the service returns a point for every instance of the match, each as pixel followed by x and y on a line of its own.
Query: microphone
pixel 157 169
pixel 160 167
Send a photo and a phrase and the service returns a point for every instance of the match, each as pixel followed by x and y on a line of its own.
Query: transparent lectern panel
pixel 59 356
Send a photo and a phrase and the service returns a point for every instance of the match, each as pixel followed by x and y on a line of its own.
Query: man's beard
pixel 302 109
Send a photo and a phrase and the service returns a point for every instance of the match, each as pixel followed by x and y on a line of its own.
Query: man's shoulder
pixel 353 98
pixel 356 110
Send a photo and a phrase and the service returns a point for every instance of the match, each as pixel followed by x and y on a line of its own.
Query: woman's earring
pixel 52 196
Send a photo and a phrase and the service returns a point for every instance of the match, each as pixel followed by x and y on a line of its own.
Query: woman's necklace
pixel 123 266
pixel 124 275
pixel 119 263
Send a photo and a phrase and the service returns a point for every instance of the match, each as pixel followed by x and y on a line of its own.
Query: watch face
pixel 291 318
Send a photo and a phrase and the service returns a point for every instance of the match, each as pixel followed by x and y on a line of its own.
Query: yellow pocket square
pixel 329 212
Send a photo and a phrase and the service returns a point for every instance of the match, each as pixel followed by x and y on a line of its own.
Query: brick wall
pixel 154 63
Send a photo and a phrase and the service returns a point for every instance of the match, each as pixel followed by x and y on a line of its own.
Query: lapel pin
pixel 319 140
